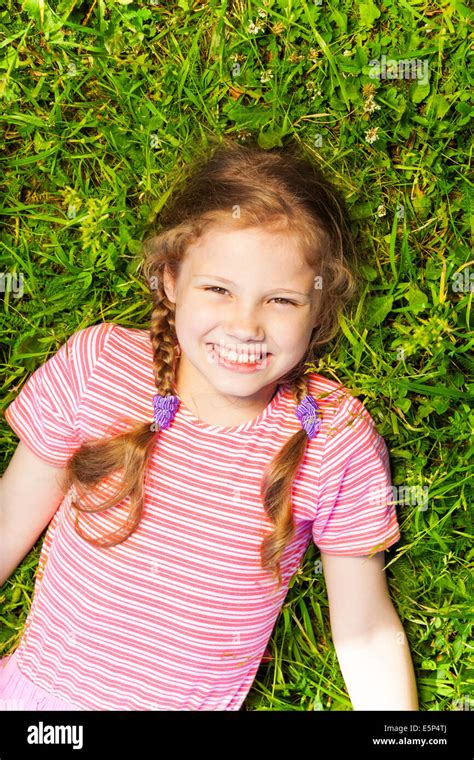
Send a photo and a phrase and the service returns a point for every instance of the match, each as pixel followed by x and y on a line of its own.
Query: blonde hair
pixel 280 188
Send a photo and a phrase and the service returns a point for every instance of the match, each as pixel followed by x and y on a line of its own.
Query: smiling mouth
pixel 244 357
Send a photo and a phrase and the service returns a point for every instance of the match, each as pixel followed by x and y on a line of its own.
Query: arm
pixel 30 493
pixel 368 636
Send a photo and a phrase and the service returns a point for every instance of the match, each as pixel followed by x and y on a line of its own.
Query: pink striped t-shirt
pixel 178 616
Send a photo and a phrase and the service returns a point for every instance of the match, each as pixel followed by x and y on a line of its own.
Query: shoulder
pixel 333 397
pixel 344 415
pixel 88 344
pixel 94 337
pixel 93 351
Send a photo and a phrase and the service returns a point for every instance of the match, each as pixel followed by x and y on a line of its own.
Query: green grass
pixel 103 103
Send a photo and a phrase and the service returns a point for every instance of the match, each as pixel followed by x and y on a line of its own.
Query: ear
pixel 315 328
pixel 169 285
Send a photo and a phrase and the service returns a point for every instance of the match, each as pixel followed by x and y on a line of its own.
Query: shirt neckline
pixel 250 425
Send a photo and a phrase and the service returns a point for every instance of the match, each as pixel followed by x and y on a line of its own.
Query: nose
pixel 244 324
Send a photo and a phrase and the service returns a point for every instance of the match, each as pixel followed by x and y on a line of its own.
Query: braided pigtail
pixel 276 488
pixel 163 340
pixel 129 451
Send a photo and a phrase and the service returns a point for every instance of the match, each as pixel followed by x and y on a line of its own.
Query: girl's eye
pixel 292 303
pixel 216 287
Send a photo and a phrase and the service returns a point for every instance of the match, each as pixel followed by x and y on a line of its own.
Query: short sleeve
pixel 356 514
pixel 44 415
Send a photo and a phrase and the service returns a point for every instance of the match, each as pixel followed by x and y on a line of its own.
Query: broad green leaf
pixel 378 309
pixel 368 12
pixel 418 91
pixel 415 296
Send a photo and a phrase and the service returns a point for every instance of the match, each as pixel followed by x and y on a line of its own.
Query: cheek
pixel 290 329
pixel 195 318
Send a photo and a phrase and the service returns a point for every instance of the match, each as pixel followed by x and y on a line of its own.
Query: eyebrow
pixel 229 282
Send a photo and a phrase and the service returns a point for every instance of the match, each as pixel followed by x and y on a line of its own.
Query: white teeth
pixel 232 356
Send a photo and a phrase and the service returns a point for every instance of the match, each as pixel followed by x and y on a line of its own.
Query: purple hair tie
pixel 165 408
pixel 309 415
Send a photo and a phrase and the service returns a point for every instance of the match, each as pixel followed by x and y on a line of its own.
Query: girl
pixel 184 469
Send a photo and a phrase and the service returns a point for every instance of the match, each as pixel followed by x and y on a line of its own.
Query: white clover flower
pixel 266 76
pixel 381 211
pixel 370 105
pixel 254 28
pixel 262 13
pixel 372 134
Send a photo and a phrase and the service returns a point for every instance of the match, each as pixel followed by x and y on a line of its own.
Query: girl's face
pixel 241 294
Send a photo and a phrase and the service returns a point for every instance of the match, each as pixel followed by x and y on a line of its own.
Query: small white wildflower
pixel 370 105
pixel 243 134
pixel 254 28
pixel 266 76
pixel 262 13
pixel 372 134
pixel 381 211
pixel 347 52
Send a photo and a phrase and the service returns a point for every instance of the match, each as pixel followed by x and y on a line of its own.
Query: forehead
pixel 259 252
